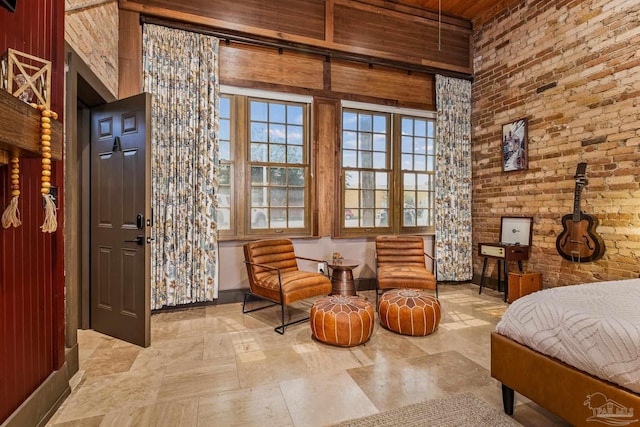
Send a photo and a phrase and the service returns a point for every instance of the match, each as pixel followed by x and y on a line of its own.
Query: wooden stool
pixel 409 312
pixel 340 320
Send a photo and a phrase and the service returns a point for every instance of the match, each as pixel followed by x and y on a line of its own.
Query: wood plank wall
pixel 374 29
pixel 31 270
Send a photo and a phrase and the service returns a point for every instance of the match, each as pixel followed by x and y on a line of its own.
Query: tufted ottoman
pixel 409 312
pixel 341 320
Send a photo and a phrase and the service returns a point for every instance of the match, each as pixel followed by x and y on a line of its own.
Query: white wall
pixel 233 273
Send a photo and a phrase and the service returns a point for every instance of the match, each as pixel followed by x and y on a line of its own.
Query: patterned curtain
pixel 454 248
pixel 181 72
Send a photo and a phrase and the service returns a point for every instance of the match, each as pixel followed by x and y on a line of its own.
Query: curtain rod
pixel 253 40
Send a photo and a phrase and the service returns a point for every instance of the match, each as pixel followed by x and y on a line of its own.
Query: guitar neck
pixel 576 204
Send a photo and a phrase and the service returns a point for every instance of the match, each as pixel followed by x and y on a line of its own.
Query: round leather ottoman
pixel 409 312
pixel 340 320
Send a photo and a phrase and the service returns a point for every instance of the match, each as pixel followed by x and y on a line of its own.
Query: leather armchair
pixel 274 276
pixel 400 263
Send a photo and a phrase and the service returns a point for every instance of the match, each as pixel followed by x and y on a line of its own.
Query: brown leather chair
pixel 273 273
pixel 400 263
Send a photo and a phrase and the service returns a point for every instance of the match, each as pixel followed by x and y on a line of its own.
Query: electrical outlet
pixel 321 267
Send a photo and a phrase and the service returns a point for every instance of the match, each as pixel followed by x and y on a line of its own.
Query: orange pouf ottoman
pixel 409 312
pixel 340 320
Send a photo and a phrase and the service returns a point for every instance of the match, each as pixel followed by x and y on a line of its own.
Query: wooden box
pixel 521 284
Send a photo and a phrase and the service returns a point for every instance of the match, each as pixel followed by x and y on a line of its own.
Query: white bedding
pixel 594 327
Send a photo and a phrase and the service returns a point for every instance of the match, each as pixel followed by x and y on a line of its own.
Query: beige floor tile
pixel 176 413
pixel 198 378
pixel 162 354
pixel 324 399
pixel 270 366
pixel 104 394
pixel 259 406
pixel 394 383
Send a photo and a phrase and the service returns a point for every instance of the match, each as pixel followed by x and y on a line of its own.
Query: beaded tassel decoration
pixel 11 215
pixel 50 223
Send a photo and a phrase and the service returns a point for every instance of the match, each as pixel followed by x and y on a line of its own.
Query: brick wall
pixel 590 51
pixel 91 29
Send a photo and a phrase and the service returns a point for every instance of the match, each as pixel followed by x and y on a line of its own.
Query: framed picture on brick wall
pixel 514 146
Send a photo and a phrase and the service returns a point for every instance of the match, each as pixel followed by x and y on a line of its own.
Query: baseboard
pixel 40 406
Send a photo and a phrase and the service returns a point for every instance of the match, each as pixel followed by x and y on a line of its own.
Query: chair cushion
pixel 296 285
pixel 405 276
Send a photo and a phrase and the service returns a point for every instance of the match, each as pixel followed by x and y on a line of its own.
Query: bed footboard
pixel 573 395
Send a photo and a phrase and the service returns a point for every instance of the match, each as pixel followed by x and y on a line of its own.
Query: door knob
pixel 139 240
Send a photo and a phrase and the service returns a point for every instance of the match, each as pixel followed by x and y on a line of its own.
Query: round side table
pixel 342 276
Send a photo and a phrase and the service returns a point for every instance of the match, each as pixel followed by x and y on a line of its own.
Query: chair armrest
pixel 309 259
pixel 326 264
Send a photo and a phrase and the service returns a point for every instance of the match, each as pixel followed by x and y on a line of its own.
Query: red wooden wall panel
pixel 31 262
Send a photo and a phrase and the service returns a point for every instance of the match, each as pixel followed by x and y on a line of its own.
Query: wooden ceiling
pixel 477 11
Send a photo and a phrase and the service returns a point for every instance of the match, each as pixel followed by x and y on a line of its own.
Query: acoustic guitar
pixel 578 241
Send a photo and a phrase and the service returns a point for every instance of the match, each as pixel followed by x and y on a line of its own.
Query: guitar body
pixel 578 241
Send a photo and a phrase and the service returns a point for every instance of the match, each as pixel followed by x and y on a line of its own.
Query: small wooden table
pixel 342 278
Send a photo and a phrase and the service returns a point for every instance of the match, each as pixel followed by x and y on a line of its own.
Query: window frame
pixel 241 164
pixel 396 173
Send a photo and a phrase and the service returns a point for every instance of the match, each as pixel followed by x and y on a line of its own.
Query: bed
pixel 574 350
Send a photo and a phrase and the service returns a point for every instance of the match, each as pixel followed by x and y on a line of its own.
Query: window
pixel 269 189
pixel 388 170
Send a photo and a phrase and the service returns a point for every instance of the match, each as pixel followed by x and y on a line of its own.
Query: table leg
pixel 484 269
pixel 506 280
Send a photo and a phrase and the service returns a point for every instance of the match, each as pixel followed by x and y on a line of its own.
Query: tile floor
pixel 214 366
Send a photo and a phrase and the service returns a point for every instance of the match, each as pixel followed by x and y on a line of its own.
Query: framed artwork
pixel 514 146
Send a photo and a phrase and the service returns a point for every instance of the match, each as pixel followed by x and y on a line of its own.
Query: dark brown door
pixel 120 219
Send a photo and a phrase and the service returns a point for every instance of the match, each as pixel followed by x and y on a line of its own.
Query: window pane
pixel 278 197
pixel 277 176
pixel 365 123
pixel 380 124
pixel 296 197
pixel 277 153
pixel 295 135
pixel 407 144
pixel 349 140
pixel 258 175
pixel 368 180
pixel 379 160
pixel 259 132
pixel 295 115
pixel 294 155
pixel 407 162
pixel 296 177
pixel 382 180
pixel 224 177
pixel 277 133
pixel 380 142
pixel 259 111
pixel 365 141
pixel 351 179
pixel 366 159
pixel 296 218
pixel 349 159
pixel 421 128
pixel 349 121
pixel 259 197
pixel 277 112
